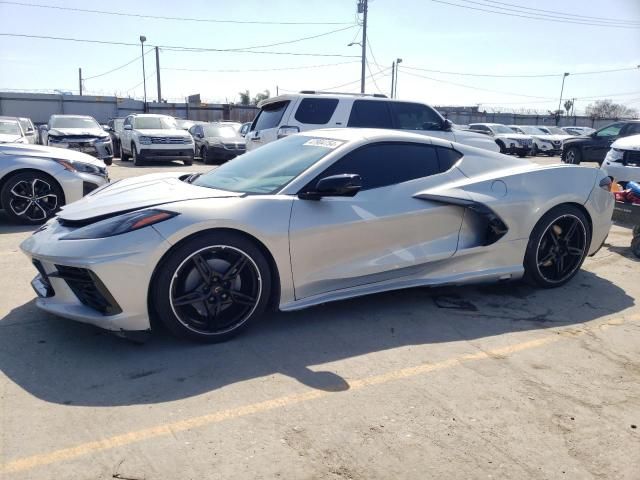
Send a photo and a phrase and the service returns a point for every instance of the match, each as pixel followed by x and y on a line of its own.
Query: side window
pixel 610 131
pixel 385 164
pixel 370 114
pixel 447 158
pixel 632 129
pixel 270 115
pixel 127 121
pixel 414 116
pixel 316 111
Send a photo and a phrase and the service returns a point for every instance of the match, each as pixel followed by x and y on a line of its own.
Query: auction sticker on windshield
pixel 323 142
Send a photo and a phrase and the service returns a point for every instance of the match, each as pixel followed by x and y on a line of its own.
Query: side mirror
pixel 199 135
pixel 447 125
pixel 344 185
pixel 107 128
pixel 127 127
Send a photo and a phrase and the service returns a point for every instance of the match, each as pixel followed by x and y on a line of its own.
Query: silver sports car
pixel 315 217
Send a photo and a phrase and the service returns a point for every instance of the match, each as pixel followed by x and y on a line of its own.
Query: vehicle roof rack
pixel 319 92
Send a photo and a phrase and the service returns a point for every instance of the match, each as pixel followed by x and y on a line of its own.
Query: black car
pixel 217 141
pixel 115 129
pixel 594 147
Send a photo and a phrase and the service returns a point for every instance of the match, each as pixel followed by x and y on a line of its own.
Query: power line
pixel 160 17
pixel 176 48
pixel 559 19
pixel 541 75
pixel 303 67
pixel 135 59
pixel 570 15
pixel 356 81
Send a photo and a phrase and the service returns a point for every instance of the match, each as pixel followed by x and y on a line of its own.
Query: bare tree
pixel 608 109
pixel 245 97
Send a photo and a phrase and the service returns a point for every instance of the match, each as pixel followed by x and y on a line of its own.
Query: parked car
pixel 578 131
pixel 42 133
pixel 217 141
pixel 507 139
pixel 542 142
pixel 244 128
pixel 229 123
pixel 36 181
pixel 623 159
pixel 287 114
pixel 29 130
pixel 554 131
pixel 115 130
pixel 338 213
pixel 594 147
pixel 154 137
pixel 81 133
pixel 11 131
pixel 184 124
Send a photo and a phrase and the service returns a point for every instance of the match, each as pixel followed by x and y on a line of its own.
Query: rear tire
pixel 534 150
pixel 557 247
pixel 31 197
pixel 503 149
pixel 212 287
pixel 572 156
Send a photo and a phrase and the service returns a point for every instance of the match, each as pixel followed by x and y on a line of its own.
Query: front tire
pixel 31 198
pixel 212 287
pixel 557 247
pixel 137 161
pixel 123 155
pixel 503 149
pixel 572 156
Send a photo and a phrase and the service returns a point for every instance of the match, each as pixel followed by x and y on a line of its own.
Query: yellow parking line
pixel 39 460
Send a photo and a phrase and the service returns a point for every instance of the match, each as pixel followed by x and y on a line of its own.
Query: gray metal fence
pixel 39 107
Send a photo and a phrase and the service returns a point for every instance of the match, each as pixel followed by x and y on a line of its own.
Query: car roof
pixel 70 116
pixel 346 96
pixel 377 134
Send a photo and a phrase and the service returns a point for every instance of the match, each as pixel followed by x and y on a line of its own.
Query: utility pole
pixel 158 75
pixel 566 74
pixel 80 80
pixel 393 75
pixel 363 7
pixel 395 90
pixel 144 75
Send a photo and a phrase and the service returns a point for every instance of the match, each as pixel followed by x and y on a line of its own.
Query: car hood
pixel 136 193
pixel 518 136
pixel 627 143
pixel 8 138
pixel 27 150
pixel 78 132
pixel 164 132
pixel 237 139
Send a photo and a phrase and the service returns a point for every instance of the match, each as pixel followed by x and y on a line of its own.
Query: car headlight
pixel 103 139
pixel 615 155
pixel 74 166
pixel 517 141
pixel 188 139
pixel 121 224
pixel 145 140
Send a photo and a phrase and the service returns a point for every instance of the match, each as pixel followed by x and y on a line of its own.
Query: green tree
pixel 261 96
pixel 245 97
pixel 568 105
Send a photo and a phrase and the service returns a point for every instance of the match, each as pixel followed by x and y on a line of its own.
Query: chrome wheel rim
pixel 561 248
pixel 215 290
pixel 33 199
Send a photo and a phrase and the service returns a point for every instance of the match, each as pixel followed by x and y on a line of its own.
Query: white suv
pixel 287 114
pixel 154 137
pixel 623 160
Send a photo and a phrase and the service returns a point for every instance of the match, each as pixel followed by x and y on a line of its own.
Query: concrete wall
pixel 39 107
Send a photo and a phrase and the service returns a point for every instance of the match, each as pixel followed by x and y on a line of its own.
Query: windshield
pixel 117 123
pixel 531 130
pixel 154 123
pixel 9 128
pixel 556 131
pixel 184 124
pixel 26 125
pixel 73 122
pixel 500 129
pixel 269 168
pixel 224 132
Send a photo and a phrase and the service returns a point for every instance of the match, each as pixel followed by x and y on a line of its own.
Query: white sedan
pixel 36 181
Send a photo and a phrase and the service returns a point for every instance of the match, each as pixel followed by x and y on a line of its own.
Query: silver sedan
pixel 315 217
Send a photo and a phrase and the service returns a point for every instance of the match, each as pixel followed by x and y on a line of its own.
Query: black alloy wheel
pixel 211 288
pixel 558 246
pixel 31 197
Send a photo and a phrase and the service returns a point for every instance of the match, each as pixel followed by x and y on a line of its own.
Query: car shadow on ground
pixel 149 164
pixel 65 362
pixel 7 226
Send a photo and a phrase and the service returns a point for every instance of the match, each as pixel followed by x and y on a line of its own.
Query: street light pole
pixel 393 76
pixel 566 74
pixel 395 91
pixel 363 7
pixel 144 75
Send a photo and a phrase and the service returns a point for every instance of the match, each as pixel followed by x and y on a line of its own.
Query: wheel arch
pixel 579 206
pixel 18 171
pixel 274 299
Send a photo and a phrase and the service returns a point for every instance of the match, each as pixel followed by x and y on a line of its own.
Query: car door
pixel 265 126
pixel 125 136
pixel 597 147
pixel 383 232
pixel 419 118
pixel 197 132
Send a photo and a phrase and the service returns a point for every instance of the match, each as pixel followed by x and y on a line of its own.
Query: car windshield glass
pixel 224 132
pixel 117 123
pixel 501 129
pixel 269 168
pixel 74 122
pixel 531 130
pixel 9 128
pixel 556 131
pixel 25 124
pixel 155 123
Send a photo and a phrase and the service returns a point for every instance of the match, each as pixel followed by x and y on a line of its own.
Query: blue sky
pixel 425 34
